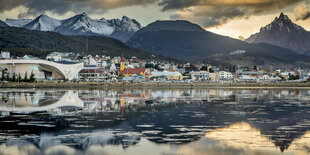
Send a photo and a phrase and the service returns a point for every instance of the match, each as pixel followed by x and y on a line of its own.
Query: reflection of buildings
pixel 277 118
pixel 28 102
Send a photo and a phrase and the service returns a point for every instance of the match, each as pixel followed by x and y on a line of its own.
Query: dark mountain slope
pixel 190 42
pixel 40 43
pixel 3 23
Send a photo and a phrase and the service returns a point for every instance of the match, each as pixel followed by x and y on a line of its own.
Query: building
pixel 130 71
pixel 213 76
pixel 42 69
pixel 238 52
pixel 200 75
pixel 166 75
pixel 59 56
pixel 225 76
pixel 5 55
pixel 255 74
pixel 93 73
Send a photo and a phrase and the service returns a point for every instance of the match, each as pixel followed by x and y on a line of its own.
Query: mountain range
pixel 283 32
pixel 82 24
pixel 191 42
pixel 281 44
pixel 21 41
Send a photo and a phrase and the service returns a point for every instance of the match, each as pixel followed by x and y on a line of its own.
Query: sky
pixel 234 18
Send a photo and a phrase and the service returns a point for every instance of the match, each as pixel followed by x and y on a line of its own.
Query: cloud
pixel 36 7
pixel 209 16
pixel 210 13
pixel 301 12
pixel 257 5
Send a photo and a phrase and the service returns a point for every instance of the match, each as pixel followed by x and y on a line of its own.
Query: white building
pixel 59 56
pixel 268 78
pixel 247 78
pixel 42 69
pixel 226 76
pixel 5 55
pixel 167 75
pixel 200 75
pixel 238 52
pixel 55 56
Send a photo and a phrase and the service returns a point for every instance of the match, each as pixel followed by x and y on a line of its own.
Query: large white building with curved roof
pixel 42 69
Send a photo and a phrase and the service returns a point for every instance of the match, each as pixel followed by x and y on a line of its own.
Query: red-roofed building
pixel 93 73
pixel 130 71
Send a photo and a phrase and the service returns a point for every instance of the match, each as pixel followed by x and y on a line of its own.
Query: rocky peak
pixel 282 23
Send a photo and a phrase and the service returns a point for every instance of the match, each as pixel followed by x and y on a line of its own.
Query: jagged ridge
pixel 283 32
pixel 81 24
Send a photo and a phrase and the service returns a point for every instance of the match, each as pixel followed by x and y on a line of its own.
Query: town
pixel 60 66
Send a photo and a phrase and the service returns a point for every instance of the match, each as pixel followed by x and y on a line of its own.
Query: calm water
pixel 168 122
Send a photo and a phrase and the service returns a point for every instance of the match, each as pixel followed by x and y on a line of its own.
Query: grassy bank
pixel 121 85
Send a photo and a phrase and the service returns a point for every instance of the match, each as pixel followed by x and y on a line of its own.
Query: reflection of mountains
pixel 281 117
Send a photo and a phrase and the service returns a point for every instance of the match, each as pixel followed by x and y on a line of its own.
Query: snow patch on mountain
pixel 122 29
pixel 84 25
pixel 43 23
pixel 17 22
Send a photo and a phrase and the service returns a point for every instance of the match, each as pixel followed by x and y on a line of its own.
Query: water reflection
pixel 217 121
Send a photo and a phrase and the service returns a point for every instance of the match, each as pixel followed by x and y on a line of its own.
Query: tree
pixel 255 67
pixel 26 77
pixel 19 79
pixel 14 77
pixel 2 76
pixel 8 76
pixel 32 78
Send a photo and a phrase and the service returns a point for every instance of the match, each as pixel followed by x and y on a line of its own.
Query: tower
pixel 122 65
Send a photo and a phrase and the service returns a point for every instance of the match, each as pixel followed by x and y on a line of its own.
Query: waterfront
pixel 140 121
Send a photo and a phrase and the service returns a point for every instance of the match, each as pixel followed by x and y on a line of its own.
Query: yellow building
pixel 131 71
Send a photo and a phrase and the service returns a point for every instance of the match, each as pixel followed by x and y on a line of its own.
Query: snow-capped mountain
pixel 84 25
pixel 122 29
pixel 283 32
pixel 43 23
pixel 17 22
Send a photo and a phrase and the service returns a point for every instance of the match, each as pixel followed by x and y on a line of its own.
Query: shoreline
pixel 122 85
